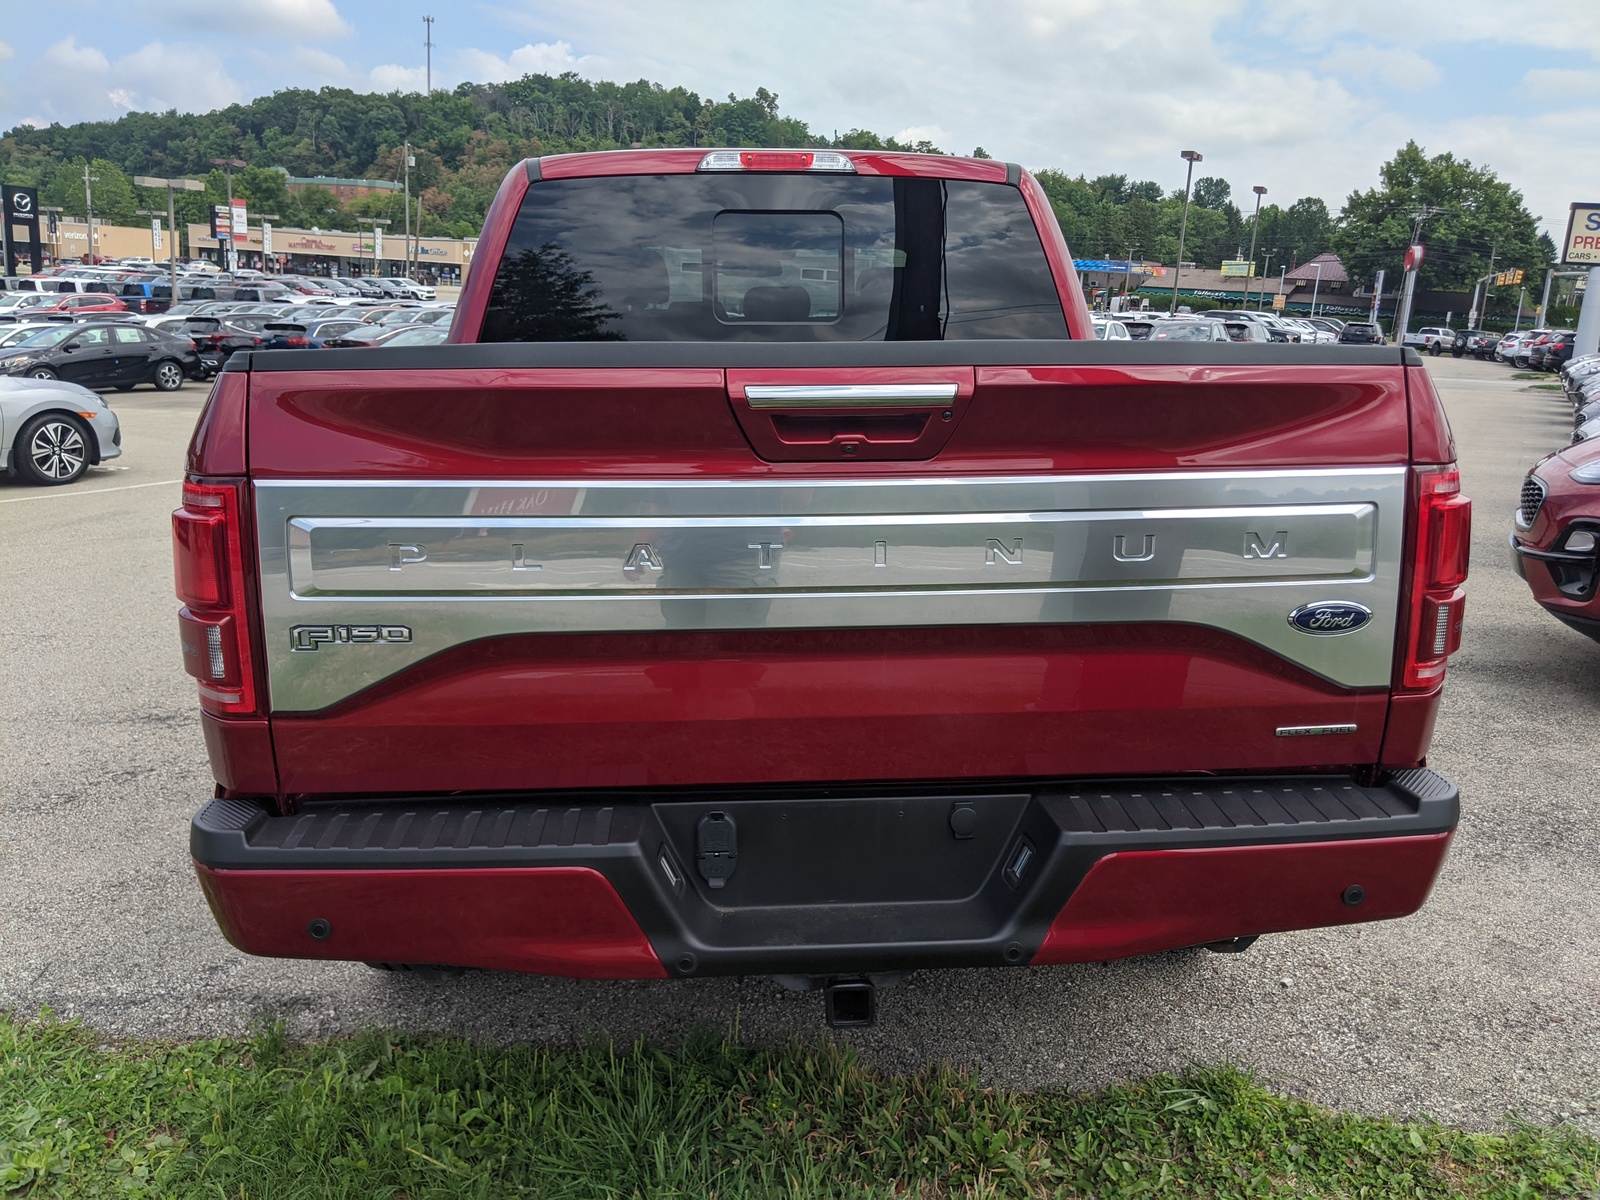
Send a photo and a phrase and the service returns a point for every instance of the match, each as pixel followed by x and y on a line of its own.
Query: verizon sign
pixel 1582 246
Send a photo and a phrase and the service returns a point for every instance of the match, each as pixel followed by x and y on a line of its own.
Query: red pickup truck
pixel 776 576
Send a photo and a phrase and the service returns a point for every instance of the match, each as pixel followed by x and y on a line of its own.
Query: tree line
pixel 465 140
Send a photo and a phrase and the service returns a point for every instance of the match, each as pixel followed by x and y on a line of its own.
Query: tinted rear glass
pixel 780 258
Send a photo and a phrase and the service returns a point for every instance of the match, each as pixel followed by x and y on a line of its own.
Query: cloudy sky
pixel 1306 97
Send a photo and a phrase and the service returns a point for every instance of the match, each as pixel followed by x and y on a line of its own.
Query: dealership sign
pixel 1582 246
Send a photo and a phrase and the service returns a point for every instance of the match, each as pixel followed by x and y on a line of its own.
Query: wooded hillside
pixel 465 140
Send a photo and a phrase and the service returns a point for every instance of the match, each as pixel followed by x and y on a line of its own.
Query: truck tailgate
pixel 510 567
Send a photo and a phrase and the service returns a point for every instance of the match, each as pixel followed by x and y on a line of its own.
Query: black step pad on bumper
pixel 825 880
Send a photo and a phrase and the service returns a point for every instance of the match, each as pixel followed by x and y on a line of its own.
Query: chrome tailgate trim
pixel 453 562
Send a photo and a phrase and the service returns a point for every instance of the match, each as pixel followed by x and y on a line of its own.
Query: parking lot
pixel 1483 1004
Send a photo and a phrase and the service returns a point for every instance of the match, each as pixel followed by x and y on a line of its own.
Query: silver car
pixel 52 432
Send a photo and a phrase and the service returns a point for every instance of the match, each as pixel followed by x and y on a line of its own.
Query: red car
pixel 78 304
pixel 1555 536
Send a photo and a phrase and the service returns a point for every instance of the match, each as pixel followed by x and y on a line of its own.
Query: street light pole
pixel 173 186
pixel 1255 227
pixel 1315 288
pixel 1127 259
pixel 88 205
pixel 1191 157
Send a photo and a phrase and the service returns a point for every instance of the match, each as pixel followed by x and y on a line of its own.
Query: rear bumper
pixel 822 883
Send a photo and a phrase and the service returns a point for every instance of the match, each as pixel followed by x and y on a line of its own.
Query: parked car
pixel 1362 333
pixel 1555 535
pixel 706 706
pixel 105 354
pixel 71 304
pixel 1328 324
pixel 411 288
pixel 375 335
pixel 1109 330
pixel 416 335
pixel 219 337
pixel 1479 343
pixel 1247 331
pixel 305 334
pixel 1506 349
pixel 1430 338
pixel 1554 351
pixel 52 432
pixel 1184 329
pixel 1522 356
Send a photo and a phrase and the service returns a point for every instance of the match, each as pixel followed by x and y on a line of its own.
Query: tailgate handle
pixel 850 395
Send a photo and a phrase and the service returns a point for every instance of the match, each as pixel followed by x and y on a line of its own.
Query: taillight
pixel 213 625
pixel 296 341
pixel 776 160
pixel 1438 603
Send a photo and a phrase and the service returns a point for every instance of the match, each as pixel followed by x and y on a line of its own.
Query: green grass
pixel 389 1118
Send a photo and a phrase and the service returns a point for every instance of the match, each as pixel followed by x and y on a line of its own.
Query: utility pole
pixel 1413 262
pixel 1255 226
pixel 1127 259
pixel 1191 157
pixel 1544 303
pixel 88 205
pixel 1266 269
pixel 172 186
pixel 409 163
pixel 427 46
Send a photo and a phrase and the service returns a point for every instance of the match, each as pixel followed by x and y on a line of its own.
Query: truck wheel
pixel 169 376
pixel 1434 349
pixel 52 449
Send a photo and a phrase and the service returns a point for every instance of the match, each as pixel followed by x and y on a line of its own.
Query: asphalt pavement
pixel 1486 1003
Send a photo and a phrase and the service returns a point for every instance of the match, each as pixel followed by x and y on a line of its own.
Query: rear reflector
pixel 776 160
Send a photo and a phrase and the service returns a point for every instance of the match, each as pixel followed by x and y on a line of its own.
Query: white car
pixel 1310 334
pixel 1111 331
pixel 51 432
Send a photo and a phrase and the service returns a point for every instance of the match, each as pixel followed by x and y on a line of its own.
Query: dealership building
pixel 293 251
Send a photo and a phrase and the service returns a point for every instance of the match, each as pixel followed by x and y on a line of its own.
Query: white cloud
pixel 1560 83
pixel 924 133
pixel 155 77
pixel 260 18
pixel 392 77
pixel 1396 68
pixel 543 58
pixel 6 53
pixel 67 55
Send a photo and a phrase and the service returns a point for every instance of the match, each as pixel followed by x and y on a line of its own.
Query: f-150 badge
pixel 314 637
pixel 1330 617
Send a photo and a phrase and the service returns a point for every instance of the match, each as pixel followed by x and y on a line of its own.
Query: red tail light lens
pixel 1438 605
pixel 213 625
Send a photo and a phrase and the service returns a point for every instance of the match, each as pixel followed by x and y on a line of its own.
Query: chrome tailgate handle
pixel 850 395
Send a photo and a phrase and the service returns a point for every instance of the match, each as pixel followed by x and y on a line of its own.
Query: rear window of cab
pixel 772 257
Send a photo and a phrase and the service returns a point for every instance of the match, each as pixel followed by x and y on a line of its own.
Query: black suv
pixel 1362 332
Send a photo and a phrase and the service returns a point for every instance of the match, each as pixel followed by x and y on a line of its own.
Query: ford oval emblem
pixel 1330 617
